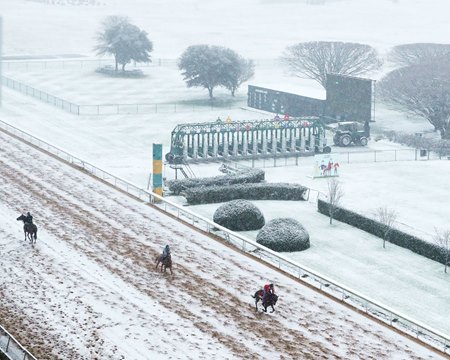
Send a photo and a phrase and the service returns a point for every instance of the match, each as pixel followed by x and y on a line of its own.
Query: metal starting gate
pixel 247 139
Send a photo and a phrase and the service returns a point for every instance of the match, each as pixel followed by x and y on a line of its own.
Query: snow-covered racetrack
pixel 88 289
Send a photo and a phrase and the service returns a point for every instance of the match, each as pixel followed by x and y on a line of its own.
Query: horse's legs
pixel 273 309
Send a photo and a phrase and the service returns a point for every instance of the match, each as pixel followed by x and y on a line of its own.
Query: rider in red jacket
pixel 269 290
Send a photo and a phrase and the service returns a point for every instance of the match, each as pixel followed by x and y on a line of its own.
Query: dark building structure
pixel 348 98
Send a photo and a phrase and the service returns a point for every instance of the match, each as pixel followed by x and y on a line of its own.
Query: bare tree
pixel 335 193
pixel 387 218
pixel 316 59
pixel 442 239
pixel 418 53
pixel 422 90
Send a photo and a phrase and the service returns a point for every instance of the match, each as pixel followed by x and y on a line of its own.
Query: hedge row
pixel 256 191
pixel 439 146
pixel 242 177
pixel 397 237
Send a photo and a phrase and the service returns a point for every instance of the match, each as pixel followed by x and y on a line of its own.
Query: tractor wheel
pixel 326 150
pixel 363 141
pixel 345 140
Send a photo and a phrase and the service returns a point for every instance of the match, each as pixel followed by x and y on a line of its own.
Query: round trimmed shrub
pixel 239 215
pixel 284 234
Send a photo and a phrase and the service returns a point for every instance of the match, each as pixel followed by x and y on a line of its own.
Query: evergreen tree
pixel 124 41
pixel 211 66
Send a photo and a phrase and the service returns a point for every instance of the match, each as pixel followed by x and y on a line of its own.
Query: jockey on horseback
pixel 269 290
pixel 29 218
pixel 166 253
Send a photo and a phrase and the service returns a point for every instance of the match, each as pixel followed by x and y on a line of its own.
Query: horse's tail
pixel 35 234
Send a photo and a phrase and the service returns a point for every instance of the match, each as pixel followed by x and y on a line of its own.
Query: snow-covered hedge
pixel 239 215
pixel 241 177
pixel 284 234
pixel 258 191
pixel 110 71
pixel 397 237
pixel 439 146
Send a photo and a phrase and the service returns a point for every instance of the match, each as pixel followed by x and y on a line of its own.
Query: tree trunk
pixel 210 90
pixel 117 63
pixel 445 134
pixel 232 92
pixel 123 67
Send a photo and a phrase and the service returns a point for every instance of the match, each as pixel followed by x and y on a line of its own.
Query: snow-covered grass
pixel 392 276
pixel 121 144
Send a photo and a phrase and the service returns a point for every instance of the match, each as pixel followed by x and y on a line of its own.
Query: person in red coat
pixel 269 290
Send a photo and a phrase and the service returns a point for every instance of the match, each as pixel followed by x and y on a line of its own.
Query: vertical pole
pixel 1 59
pixel 157 169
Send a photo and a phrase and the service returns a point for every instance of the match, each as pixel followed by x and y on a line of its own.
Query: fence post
pixel 375 155
pixel 7 344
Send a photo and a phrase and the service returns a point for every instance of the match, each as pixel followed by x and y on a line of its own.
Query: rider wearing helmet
pixel 29 218
pixel 166 252
pixel 269 290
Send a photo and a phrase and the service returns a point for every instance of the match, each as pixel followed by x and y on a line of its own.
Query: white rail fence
pixel 347 157
pixel 11 348
pixel 109 109
pixel 345 294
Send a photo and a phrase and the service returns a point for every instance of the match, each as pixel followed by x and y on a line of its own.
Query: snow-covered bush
pixel 239 215
pixel 284 234
pixel 110 71
pixel 258 191
pixel 439 146
pixel 241 177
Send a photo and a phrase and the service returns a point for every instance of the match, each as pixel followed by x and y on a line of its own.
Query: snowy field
pixel 88 289
pixel 122 145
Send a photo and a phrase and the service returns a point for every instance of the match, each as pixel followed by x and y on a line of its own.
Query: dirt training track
pixel 88 289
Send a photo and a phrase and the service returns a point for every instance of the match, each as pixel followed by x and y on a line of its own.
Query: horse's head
pixel 21 218
pixel 274 299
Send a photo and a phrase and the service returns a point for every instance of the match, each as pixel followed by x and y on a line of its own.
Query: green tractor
pixel 351 132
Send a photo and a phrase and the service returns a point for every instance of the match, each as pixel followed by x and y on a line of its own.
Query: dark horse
pixel 166 263
pixel 271 300
pixel 29 230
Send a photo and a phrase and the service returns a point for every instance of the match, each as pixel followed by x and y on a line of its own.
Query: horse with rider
pixel 29 229
pixel 165 259
pixel 267 296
